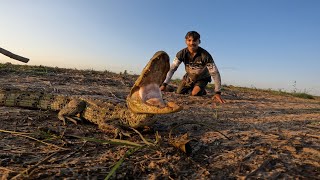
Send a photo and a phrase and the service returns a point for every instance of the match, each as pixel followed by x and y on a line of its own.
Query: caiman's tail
pixel 32 99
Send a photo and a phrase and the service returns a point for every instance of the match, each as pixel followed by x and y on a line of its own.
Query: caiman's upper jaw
pixel 145 95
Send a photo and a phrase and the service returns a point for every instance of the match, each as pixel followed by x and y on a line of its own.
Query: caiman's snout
pixel 145 95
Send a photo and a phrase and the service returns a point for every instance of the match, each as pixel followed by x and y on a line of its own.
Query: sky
pixel 268 44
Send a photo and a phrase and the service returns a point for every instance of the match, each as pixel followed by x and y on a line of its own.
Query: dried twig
pixel 109 141
pixel 143 139
pixel 114 95
pixel 313 136
pixel 29 170
pixel 21 152
pixel 197 123
pixel 22 134
pixel 13 132
pixel 260 168
pixel 6 169
pixel 182 142
pixel 247 156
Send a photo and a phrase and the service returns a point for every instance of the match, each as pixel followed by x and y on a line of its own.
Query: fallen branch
pixel 13 56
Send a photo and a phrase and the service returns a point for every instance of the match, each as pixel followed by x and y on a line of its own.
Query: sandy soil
pixel 266 135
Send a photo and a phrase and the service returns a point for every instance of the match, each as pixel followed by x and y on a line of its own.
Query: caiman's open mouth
pixel 145 95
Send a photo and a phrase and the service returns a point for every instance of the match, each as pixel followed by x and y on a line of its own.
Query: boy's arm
pixel 174 66
pixel 214 72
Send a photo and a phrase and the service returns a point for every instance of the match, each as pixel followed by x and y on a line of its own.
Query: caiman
pixel 109 113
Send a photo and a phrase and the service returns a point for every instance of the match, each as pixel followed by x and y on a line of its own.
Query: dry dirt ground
pixel 267 136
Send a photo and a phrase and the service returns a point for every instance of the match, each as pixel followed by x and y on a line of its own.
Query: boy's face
pixel 192 44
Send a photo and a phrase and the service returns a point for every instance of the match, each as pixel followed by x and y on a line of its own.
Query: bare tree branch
pixel 13 56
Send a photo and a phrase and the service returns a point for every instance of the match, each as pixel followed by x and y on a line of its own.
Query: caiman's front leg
pixel 95 112
pixel 69 112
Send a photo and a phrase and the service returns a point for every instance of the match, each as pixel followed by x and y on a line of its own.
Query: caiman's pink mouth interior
pixel 151 95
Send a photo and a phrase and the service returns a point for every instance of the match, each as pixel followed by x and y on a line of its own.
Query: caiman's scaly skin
pixel 144 101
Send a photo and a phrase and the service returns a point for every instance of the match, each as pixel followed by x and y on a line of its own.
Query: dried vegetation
pixel 267 135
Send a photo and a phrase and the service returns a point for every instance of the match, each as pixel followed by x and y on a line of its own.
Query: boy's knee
pixel 198 91
pixel 196 94
pixel 195 91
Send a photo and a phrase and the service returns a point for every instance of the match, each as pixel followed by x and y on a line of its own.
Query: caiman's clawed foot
pixel 120 133
pixel 69 112
pixel 115 130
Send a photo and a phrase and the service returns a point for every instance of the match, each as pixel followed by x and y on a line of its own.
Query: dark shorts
pixel 187 85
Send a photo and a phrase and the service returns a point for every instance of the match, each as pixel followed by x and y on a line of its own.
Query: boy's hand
pixel 218 99
pixel 163 87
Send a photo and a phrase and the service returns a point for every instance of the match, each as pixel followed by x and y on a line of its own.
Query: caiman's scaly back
pixel 144 101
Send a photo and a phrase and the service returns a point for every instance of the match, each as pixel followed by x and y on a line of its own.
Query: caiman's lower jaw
pixel 148 100
pixel 145 95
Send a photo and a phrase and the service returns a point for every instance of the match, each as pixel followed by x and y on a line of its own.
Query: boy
pixel 199 66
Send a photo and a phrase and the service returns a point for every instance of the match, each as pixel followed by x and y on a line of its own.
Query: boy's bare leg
pixel 195 90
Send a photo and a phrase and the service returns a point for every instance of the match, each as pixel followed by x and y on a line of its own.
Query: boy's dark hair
pixel 195 35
